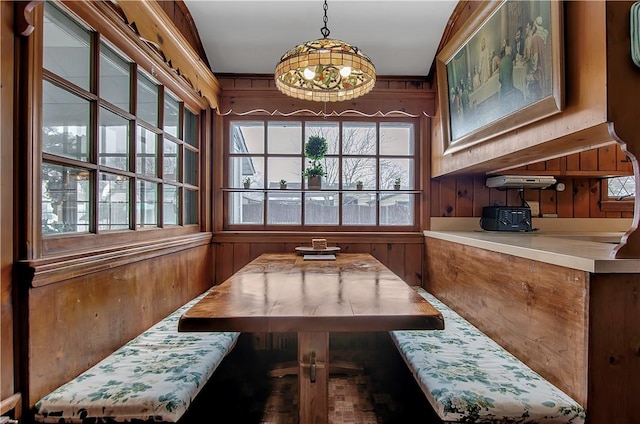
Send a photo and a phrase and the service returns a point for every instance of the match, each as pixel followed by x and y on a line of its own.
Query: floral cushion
pixel 469 378
pixel 154 377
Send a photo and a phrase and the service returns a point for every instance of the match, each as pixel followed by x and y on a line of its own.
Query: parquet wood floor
pixel 241 389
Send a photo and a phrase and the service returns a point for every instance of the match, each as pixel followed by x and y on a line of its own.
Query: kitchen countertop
pixel 586 251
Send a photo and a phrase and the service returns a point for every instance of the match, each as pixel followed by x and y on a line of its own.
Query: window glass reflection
pixel 67 47
pixel 65 199
pixel 190 167
pixel 147 204
pixel 115 78
pixel 113 140
pixel 171 115
pixel 190 206
pixel 146 152
pixel 147 100
pixel 190 128
pixel 170 205
pixel 65 119
pixel 113 202
pixel 170 167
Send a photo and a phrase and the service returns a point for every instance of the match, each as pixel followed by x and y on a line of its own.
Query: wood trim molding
pixel 391 97
pixel 176 70
pixel 24 18
pixel 188 18
pixel 617 205
pixel 305 238
pixel 40 272
pixel 154 26
pixel 12 402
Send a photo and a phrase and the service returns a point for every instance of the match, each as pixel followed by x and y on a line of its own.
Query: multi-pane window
pixel 109 162
pixel 621 187
pixel 363 163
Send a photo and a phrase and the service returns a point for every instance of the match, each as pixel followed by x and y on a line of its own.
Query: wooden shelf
pixel 326 190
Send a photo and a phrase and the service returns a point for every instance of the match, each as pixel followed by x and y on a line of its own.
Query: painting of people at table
pixel 504 67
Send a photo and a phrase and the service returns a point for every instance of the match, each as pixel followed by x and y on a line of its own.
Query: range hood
pixel 520 181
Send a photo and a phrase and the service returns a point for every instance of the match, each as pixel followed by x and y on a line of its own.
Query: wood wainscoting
pixel 577 329
pixel 402 253
pixel 73 323
pixel 534 310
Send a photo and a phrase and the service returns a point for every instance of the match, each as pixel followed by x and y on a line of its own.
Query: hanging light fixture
pixel 325 70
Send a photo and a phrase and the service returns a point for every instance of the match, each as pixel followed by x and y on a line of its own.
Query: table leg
pixel 313 377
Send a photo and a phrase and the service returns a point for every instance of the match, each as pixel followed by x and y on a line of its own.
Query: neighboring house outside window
pixel 110 163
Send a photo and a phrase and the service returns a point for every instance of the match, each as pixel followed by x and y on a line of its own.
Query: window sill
pixel 40 272
pixel 626 205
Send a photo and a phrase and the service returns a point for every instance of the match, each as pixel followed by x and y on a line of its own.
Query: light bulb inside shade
pixel 309 73
pixel 345 71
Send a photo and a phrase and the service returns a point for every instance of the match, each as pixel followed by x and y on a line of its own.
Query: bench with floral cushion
pixel 469 378
pixel 152 378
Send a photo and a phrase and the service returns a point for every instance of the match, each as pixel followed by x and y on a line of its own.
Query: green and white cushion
pixel 154 377
pixel 469 378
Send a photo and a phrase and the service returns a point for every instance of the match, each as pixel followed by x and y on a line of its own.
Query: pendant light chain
pixel 324 30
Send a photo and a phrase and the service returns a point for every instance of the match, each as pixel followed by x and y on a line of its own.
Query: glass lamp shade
pixel 325 61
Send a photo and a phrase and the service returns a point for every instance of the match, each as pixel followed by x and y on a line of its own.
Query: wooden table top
pixel 285 293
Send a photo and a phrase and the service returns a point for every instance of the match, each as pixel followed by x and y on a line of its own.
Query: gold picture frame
pixel 490 81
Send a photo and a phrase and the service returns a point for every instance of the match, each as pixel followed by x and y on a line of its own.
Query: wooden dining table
pixel 288 293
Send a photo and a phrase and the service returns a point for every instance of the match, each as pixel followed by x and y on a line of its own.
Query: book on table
pixel 319 257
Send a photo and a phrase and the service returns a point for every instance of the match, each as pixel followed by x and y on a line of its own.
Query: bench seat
pixel 468 378
pixel 152 378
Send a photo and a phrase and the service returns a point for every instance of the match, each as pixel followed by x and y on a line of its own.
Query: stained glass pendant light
pixel 325 70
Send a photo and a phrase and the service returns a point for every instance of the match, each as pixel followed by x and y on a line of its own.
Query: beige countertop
pixel 588 251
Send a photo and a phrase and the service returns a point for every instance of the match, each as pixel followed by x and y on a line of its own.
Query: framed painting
pixel 500 72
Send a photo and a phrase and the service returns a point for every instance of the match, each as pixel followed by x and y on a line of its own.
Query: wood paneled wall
pixel 402 253
pixel 73 324
pixel 582 174
pixel 614 348
pixel 7 375
pixel 182 19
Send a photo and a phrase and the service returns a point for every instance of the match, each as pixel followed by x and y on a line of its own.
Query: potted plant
pixel 283 184
pixel 314 174
pixel 315 149
pixel 396 184
pixel 359 185
pixel 246 182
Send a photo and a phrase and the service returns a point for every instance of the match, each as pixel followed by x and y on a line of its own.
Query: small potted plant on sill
pixel 314 174
pixel 396 184
pixel 359 185
pixel 315 149
pixel 246 182
pixel 283 184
